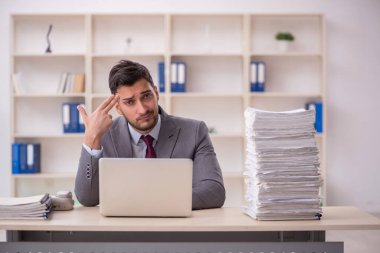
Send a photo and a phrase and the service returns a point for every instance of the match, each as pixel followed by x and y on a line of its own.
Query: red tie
pixel 150 153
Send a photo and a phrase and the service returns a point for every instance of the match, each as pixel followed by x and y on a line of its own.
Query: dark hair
pixel 126 73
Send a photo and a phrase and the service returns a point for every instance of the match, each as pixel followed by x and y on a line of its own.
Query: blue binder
pixel 81 126
pixel 178 76
pixel 15 158
pixel 33 158
pixel 258 76
pixel 71 118
pixel 181 77
pixel 174 77
pixel 318 107
pixel 23 159
pixel 161 76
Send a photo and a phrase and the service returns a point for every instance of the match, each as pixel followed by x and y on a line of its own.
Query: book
pixel 16 79
pixel 71 83
pixel 78 83
pixel 25 208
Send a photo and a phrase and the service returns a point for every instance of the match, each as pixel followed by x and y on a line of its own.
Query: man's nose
pixel 140 107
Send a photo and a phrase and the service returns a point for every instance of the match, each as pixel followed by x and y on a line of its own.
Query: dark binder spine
pixel 23 158
pixel 15 158
pixel 161 76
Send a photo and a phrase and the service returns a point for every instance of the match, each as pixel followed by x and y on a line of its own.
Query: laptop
pixel 157 187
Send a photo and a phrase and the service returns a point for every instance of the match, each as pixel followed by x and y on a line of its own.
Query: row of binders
pixel 282 166
pixel 26 158
pixel 26 208
pixel 71 83
pixel 177 74
pixel 71 119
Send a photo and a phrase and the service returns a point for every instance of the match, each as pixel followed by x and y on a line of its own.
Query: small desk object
pixel 225 230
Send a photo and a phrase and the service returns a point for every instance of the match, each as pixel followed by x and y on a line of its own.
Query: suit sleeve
pixel 87 179
pixel 208 187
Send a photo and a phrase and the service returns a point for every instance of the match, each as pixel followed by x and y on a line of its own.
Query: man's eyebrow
pixel 145 92
pixel 142 93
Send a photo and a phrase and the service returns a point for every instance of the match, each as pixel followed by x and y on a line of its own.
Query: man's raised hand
pixel 98 122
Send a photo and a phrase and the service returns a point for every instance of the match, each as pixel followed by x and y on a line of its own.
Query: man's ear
pixel 156 91
pixel 117 107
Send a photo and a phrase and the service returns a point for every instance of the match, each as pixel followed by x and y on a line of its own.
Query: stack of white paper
pixel 282 165
pixel 34 207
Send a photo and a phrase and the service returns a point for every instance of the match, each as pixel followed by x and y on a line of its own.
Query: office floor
pixel 354 241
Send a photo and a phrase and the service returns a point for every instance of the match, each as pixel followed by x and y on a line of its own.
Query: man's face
pixel 139 105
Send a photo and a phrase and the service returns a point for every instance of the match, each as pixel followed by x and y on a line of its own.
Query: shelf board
pixel 285 95
pixel 126 55
pixel 43 55
pixel 286 54
pixel 49 136
pixel 203 94
pixel 66 175
pixel 214 54
pixel 72 95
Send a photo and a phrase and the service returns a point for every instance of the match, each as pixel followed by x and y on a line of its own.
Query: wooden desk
pixel 226 225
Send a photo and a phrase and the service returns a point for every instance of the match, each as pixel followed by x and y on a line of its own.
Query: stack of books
pixel 25 208
pixel 282 165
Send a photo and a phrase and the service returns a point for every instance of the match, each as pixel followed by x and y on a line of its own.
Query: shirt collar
pixel 154 132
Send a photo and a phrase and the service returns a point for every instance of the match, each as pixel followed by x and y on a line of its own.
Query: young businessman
pixel 145 130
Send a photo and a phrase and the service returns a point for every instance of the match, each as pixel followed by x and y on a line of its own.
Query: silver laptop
pixel 145 187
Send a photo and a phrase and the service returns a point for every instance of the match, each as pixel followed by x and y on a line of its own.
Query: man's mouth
pixel 145 117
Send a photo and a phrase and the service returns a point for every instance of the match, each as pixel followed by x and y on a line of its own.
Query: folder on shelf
pixel 23 162
pixel 161 76
pixel 26 158
pixel 174 77
pixel 178 76
pixel 318 107
pixel 258 76
pixel 70 118
pixel 33 158
pixel 15 158
pixel 181 85
pixel 81 126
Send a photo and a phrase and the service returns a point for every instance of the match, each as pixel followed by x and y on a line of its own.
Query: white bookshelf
pixel 217 50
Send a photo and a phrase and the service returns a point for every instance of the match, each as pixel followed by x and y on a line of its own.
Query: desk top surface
pixel 219 220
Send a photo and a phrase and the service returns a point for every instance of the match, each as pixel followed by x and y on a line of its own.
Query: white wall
pixel 353 66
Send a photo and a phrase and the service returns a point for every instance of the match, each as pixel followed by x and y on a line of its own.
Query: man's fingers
pixel 111 104
pixel 106 102
pixel 82 112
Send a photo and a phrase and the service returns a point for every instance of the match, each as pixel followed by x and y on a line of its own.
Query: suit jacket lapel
pixel 167 137
pixel 121 139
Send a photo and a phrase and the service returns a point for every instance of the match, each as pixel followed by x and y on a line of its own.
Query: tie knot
pixel 148 140
pixel 150 152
